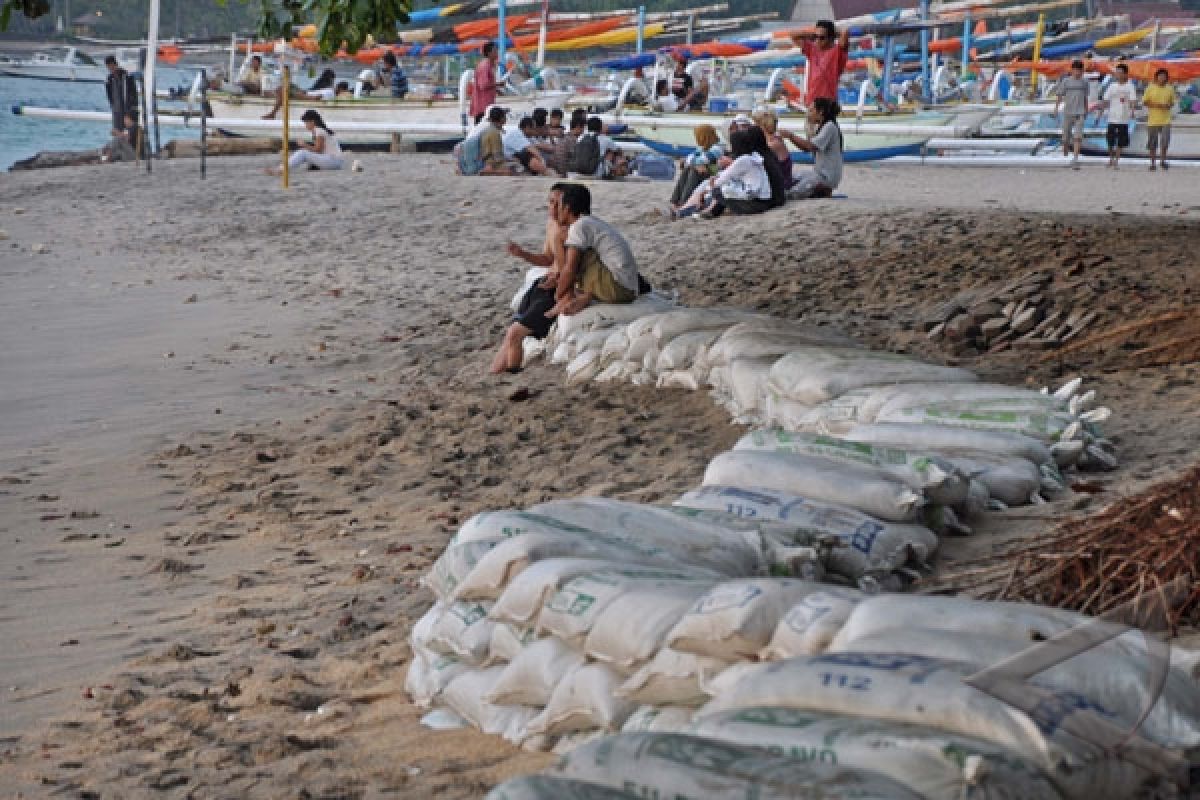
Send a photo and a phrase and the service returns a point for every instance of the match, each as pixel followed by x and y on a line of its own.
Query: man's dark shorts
pixel 532 311
pixel 1117 135
pixel 524 157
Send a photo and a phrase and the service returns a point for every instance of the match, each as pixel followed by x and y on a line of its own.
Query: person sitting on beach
pixel 768 120
pixel 596 155
pixel 559 159
pixel 531 319
pixel 482 152
pixel 125 142
pixel 250 77
pixel 518 147
pixel 663 99
pixel 751 184
pixel 323 152
pixel 554 124
pixel 599 265
pixel 826 147
pixel 324 88
pixel 699 165
pixel 682 85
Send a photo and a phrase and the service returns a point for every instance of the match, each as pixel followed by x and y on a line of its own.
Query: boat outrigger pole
pixel 148 74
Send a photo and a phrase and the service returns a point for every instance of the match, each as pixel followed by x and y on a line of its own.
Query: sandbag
pixel 815 374
pixel 658 719
pixel 990 396
pixel 583 700
pixel 666 327
pixel 941 438
pixel 933 764
pixel 671 765
pixel 865 488
pixel 583 367
pixel 680 352
pixel 632 628
pixel 671 678
pixel 614 347
pixel 455 563
pixel 464 696
pixel 549 787
pixel 1010 479
pixel 1045 426
pixel 677 379
pixel 530 679
pixel 809 626
pixel 617 371
pixel 937 478
pixel 734 620
pixel 605 315
pixel 572 611
pixel 429 674
pixel 761 340
pixel 870 545
pixel 930 692
pixel 461 629
pixel 1124 683
pixel 507 643
pixel 747 383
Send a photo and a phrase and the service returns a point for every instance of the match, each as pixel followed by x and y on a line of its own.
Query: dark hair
pixel 1124 68
pixel 314 116
pixel 579 116
pixel 741 142
pixel 325 81
pixel 827 26
pixel 488 47
pixel 389 58
pixel 1162 71
pixel 496 113
pixel 526 122
pixel 110 61
pixel 595 125
pixel 1077 64
pixel 539 117
pixel 577 199
pixel 661 86
pixel 829 109
pixel 342 86
pixel 556 112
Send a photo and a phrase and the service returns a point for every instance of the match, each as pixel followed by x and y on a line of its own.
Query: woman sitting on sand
pixel 826 147
pixel 768 120
pixel 700 164
pixel 751 184
pixel 323 153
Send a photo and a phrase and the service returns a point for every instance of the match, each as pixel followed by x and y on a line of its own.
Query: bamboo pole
pixel 1037 55
pixel 286 89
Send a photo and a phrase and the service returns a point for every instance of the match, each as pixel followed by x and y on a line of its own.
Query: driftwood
pixel 59 158
pixel 223 146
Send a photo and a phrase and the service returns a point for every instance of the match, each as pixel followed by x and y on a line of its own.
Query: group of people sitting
pixel 540 145
pixel 757 173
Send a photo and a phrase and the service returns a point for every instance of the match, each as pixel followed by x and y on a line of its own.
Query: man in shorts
pixel 1159 100
pixel 1120 97
pixel 599 263
pixel 1072 94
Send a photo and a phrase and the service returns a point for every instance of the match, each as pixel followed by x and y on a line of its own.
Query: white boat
pixel 1185 140
pixel 61 64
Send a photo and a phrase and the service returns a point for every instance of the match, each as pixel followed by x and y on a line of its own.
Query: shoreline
pixel 269 568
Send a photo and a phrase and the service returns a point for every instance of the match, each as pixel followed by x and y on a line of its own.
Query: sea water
pixel 22 137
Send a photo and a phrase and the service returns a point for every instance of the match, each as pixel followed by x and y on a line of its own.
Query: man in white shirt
pixel 518 147
pixel 600 266
pixel 1119 98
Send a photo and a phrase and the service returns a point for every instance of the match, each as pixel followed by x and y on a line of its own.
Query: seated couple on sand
pixel 589 262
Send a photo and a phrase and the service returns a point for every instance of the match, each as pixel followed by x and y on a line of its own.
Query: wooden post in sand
pixel 203 124
pixel 1037 56
pixel 286 89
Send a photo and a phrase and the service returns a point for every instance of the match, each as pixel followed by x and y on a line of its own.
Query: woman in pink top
pixel 483 86
pixel 826 54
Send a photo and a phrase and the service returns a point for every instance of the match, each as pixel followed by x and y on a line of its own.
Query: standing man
pixel 122 91
pixel 1159 99
pixel 483 83
pixel 1072 93
pixel 395 74
pixel 1120 97
pixel 826 53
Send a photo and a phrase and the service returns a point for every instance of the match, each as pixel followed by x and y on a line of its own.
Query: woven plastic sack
pixel 761 340
pixel 941 438
pixel 631 629
pixel 671 678
pixel 530 678
pixel 584 700
pixel 681 352
pixel 808 627
pixel 464 696
pixel 602 315
pixel 548 787
pixel 815 374
pixel 507 643
pixel 658 719
pixel 461 630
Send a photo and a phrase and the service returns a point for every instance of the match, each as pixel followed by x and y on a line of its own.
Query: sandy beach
pixel 238 423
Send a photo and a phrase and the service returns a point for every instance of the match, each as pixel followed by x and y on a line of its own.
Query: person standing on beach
pixel 1120 97
pixel 826 54
pixel 1071 93
pixel 483 82
pixel 599 265
pixel 1159 98
pixel 122 91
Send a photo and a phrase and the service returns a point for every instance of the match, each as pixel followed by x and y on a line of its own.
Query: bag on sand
pixel 870 545
pixel 658 719
pixel 530 678
pixel 507 643
pixel 933 764
pixel 939 438
pixel 808 628
pixel 464 696
pixel 461 630
pixel 583 700
pixel 734 620
pixel 671 678
pixel 813 375
pixel 429 674
pixel 930 692
pixel 867 489
pixel 670 765
pixel 548 787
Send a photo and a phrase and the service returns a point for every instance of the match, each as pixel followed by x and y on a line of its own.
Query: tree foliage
pixel 340 23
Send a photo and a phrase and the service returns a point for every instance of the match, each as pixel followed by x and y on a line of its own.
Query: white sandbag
pixel 735 619
pixel 572 611
pixel 1010 479
pixel 680 353
pixel 930 692
pixel 658 719
pixel 614 347
pixel 532 276
pixel 870 544
pixel 942 438
pixel 617 371
pixel 562 353
pixel 530 679
pixel 870 490
pixel 1045 426
pixel 672 765
pixel 549 787
pixel 934 764
pixel 671 678
pixel 465 696
pixel 455 563
pixel 591 340
pixel 650 360
pixel 939 479
pixel 463 630
pixel 507 643
pixel 632 628
pixel 583 367
pixel 429 674
pixel 643 378
pixel 677 379
pixel 531 348
pixel 751 340
pixel 747 383
pixel 522 600
pixel 584 700
pixel 990 396
pixel 605 315
pixel 666 327
pixel 719 542
pixel 1123 683
pixel 815 374
pixel 809 626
